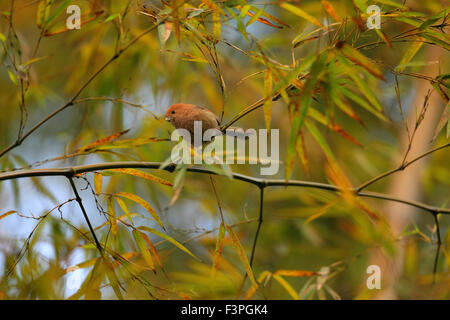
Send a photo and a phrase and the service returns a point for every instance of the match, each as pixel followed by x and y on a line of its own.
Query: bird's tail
pixel 239 132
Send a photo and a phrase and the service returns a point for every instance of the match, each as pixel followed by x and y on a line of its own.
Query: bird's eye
pixel 173 111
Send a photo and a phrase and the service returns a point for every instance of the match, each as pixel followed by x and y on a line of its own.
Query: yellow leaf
pixel 85 264
pixel 168 238
pixel 112 217
pixel 261 278
pixel 124 208
pixel 152 248
pixel 98 183
pixel 140 242
pixel 143 203
pixel 142 174
pixel 268 103
pixel 219 248
pixel 299 12
pixel 330 10
pixel 242 255
pixel 286 286
pixel 322 211
pixel 12 77
pixel 216 24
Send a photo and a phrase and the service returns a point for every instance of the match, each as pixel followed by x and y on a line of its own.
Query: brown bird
pixel 183 115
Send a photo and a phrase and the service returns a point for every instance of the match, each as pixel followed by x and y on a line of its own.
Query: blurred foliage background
pixel 350 103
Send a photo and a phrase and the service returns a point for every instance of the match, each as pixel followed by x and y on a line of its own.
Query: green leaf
pixel 112 17
pixel 358 58
pixel 12 77
pixel 409 54
pixel 305 100
pixel 240 25
pixel 362 85
pixel 320 140
pixel 62 7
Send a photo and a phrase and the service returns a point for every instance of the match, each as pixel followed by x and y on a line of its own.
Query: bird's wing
pixel 209 111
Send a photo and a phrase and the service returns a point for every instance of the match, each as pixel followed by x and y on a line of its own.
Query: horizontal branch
pixel 261 183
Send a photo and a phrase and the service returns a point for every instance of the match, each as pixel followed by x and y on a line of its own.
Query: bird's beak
pixel 168 118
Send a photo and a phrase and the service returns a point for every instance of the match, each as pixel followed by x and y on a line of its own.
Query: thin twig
pixel 76 95
pixel 80 203
pixel 438 248
pixel 401 167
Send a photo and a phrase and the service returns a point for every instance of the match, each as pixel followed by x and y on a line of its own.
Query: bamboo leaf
pixel 56 13
pixel 124 208
pixel 242 255
pixel 98 180
pixel 143 203
pixel 168 238
pixel 263 277
pixel 142 174
pixel 101 141
pixel 7 214
pixel 140 242
pixel 320 140
pixel 409 54
pixel 12 77
pixel 299 12
pixel 286 286
pixel 112 17
pixel 268 103
pixel 358 58
pixel 82 265
pixel 218 251
pixel 43 12
pixel 330 10
pixel 295 273
pixel 112 216
pixel 152 249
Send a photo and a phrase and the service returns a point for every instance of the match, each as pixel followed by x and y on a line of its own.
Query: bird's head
pixel 177 111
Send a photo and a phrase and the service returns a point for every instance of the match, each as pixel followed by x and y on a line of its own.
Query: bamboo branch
pixel 72 171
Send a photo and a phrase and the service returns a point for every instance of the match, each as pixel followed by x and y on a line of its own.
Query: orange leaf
pixel 295 273
pixel 7 214
pixel 101 141
pixel 330 10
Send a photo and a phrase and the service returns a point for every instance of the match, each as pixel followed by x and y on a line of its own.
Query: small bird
pixel 183 115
